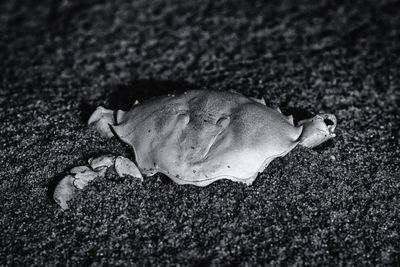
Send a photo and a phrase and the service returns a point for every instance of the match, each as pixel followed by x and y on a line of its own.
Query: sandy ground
pixel 332 205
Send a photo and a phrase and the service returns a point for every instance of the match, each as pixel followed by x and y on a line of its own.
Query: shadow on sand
pixel 124 96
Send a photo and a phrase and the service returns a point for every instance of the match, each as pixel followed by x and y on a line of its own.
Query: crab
pixel 197 137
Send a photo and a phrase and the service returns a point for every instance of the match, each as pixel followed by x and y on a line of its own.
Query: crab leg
pixel 79 177
pixel 101 119
pixel 317 129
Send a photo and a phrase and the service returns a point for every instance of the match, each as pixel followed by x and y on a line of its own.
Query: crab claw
pixel 317 130
pixel 125 167
pixel 80 176
pixel 64 191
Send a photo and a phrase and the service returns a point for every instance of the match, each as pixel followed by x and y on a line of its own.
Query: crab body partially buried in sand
pixel 197 138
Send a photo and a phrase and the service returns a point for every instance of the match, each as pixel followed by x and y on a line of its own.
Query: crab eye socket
pixel 328 122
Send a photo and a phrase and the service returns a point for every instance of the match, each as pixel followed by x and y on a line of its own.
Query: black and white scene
pixel 199 133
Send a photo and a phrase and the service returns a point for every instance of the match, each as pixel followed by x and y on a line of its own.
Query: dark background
pixel 332 205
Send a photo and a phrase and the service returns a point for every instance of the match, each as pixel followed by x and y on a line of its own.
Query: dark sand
pixel 332 205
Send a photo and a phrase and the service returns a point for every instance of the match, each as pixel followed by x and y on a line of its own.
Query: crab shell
pixel 202 136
